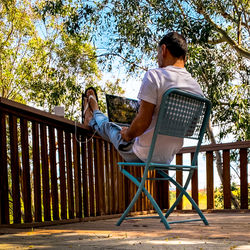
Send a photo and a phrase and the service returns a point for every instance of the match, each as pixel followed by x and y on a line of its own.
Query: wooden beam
pixel 210 180
pixel 226 179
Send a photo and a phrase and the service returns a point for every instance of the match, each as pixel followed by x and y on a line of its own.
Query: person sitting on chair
pixel 133 142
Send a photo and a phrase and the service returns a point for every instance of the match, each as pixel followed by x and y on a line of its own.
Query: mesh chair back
pixel 181 114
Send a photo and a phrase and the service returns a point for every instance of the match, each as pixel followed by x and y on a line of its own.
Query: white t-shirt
pixel 154 85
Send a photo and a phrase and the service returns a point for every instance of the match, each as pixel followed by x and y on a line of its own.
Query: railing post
pixel 100 197
pixel 4 192
pixel 121 195
pixel 85 177
pixel 226 179
pixel 113 179
pixel 36 172
pixel 140 203
pixel 15 169
pixel 53 173
pixel 26 171
pixel 179 179
pixel 243 179
pixel 161 191
pixel 108 176
pixel 45 173
pixel 69 175
pixel 194 184
pixel 210 180
pixel 61 156
pixel 91 178
pixel 77 176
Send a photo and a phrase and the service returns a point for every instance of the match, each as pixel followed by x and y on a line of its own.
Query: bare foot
pixel 92 100
pixel 88 117
pixel 87 113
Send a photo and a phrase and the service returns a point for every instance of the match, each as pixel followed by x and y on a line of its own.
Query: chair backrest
pixel 182 114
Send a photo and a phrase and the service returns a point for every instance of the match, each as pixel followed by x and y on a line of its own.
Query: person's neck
pixel 176 62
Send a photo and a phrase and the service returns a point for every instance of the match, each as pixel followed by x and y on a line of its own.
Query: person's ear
pixel 163 49
pixel 186 58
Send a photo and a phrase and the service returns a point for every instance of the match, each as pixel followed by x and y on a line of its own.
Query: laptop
pixel 121 110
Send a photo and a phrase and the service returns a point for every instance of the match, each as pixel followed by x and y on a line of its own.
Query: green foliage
pixel 224 79
pixel 217 32
pixel 41 60
pixel 218 195
pixel 46 50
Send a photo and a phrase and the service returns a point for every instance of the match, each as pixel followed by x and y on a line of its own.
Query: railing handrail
pixel 217 147
pixel 61 120
pixel 37 113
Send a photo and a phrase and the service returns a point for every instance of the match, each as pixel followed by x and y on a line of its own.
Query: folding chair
pixel 182 114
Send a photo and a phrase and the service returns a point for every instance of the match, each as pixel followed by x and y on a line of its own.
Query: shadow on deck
pixel 225 231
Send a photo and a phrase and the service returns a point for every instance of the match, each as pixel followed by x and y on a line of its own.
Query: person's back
pixel 155 83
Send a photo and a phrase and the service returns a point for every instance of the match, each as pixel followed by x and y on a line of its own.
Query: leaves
pixel 42 59
pixel 217 33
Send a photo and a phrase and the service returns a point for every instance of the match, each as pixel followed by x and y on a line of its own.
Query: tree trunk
pixel 219 165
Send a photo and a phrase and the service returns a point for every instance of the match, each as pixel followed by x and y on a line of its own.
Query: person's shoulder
pixel 155 71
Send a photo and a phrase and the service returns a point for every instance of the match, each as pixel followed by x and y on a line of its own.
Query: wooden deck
pixel 227 230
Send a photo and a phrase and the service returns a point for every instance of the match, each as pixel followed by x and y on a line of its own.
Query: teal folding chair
pixel 182 114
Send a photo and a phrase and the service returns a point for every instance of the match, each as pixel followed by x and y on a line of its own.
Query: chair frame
pixel 148 165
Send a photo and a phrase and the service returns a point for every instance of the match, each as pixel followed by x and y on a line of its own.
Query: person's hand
pixel 124 134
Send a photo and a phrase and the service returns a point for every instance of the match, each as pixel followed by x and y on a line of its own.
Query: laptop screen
pixel 121 110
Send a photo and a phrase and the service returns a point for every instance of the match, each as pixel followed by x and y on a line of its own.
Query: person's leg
pixel 111 132
pixel 108 130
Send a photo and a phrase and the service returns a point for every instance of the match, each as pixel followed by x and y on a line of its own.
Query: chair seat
pixel 159 166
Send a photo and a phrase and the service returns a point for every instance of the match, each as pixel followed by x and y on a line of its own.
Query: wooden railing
pixel 226 183
pixel 51 169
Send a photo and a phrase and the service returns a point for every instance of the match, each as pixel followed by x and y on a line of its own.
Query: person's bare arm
pixel 140 123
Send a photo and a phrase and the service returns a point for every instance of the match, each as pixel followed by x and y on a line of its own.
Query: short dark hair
pixel 176 44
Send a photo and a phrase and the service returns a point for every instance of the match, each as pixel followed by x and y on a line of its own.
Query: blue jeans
pixel 110 132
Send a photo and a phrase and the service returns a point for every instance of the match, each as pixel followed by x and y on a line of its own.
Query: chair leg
pixel 140 189
pixel 184 192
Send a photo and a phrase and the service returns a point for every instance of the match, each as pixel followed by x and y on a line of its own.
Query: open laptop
pixel 121 110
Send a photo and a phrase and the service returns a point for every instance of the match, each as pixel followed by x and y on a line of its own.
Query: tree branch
pixel 231 42
pixel 181 9
pixel 123 58
pixel 214 41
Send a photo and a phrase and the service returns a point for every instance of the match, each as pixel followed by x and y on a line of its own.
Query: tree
pixel 41 60
pixel 217 32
